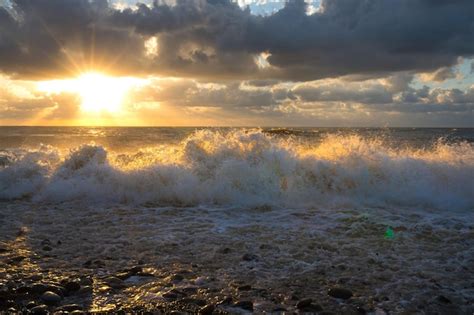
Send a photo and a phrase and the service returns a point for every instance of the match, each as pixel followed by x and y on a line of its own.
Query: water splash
pixel 249 168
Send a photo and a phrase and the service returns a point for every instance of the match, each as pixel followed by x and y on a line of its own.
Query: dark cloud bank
pixel 217 39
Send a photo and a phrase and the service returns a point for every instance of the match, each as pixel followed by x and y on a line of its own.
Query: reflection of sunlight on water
pixel 96 132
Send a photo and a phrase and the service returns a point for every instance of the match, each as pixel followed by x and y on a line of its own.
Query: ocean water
pixel 312 205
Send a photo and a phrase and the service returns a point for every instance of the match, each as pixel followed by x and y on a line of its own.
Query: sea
pixel 386 212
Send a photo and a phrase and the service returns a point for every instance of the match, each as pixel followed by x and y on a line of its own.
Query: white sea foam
pixel 248 168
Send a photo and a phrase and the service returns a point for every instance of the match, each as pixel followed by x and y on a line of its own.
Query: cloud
pixel 218 40
pixel 327 96
pixel 440 75
pixel 342 91
pixel 20 101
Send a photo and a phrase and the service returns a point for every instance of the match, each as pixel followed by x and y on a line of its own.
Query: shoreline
pixel 163 260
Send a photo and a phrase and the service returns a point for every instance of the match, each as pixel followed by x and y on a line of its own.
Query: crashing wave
pixel 248 168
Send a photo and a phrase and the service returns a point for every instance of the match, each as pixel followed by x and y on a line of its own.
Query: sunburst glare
pixel 98 92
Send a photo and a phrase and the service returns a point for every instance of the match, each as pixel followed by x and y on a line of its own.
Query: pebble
pixel 50 298
pixel 136 269
pixel 86 281
pixel 249 257
pixel 176 278
pixel 170 296
pixel 39 288
pixel 85 290
pixel 246 305
pixel 340 293
pixel 443 299
pixel 303 303
pixel 124 275
pixel 36 277
pixel 3 247
pixel 39 310
pixel 31 304
pixel 70 308
pixel 114 282
pixel 54 288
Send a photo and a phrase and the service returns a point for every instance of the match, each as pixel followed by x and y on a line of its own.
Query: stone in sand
pixel 249 257
pixel 442 299
pixel 70 308
pixel 176 278
pixel 124 275
pixel 3 247
pixel 31 304
pixel 170 295
pixel 303 303
pixel 340 293
pixel 50 298
pixel 114 282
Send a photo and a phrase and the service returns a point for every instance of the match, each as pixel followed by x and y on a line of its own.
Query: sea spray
pixel 248 168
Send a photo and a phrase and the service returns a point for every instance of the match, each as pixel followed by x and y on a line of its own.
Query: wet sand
pixel 234 260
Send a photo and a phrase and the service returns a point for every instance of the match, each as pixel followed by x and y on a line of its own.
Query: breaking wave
pixel 247 168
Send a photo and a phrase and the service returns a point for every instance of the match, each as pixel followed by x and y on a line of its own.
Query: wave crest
pixel 248 168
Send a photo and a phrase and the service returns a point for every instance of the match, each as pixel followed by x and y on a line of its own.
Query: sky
pixel 350 63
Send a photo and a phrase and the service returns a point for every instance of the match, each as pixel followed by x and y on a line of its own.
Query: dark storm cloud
pixel 216 38
pixel 55 37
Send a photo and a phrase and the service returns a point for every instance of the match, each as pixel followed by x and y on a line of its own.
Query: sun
pixel 98 92
pixel 101 93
